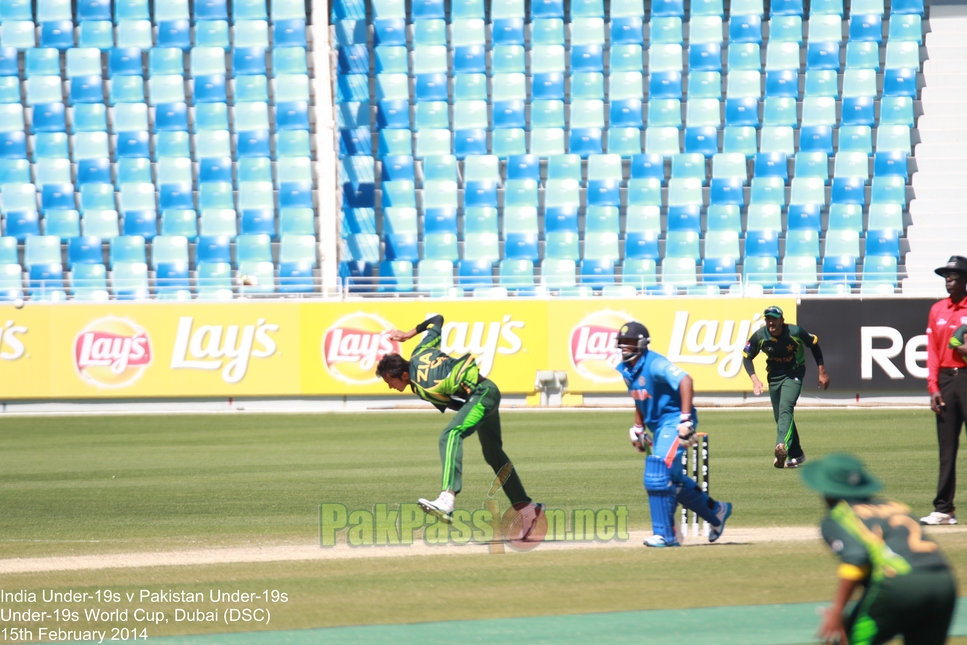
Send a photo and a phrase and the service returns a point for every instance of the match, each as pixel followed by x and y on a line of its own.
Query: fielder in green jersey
pixel 785 348
pixel 909 587
pixel 456 384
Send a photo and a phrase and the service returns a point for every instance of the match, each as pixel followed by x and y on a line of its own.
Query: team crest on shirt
pixel 641 381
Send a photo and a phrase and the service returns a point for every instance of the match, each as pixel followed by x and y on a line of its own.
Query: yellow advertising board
pixel 704 337
pixel 24 352
pixel 279 348
pixel 158 350
pixel 341 342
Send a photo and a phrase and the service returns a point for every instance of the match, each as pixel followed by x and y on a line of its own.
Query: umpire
pixel 947 382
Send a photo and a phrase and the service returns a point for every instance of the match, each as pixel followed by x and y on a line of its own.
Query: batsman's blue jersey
pixel 653 383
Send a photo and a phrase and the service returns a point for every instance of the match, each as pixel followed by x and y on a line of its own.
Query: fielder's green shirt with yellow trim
pixel 786 353
pixel 436 377
pixel 879 537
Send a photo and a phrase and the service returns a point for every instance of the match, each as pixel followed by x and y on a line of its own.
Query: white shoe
pixel 796 462
pixel 658 541
pixel 937 518
pixel 441 507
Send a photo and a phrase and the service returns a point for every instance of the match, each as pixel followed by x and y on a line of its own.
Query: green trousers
pixel 784 392
pixel 479 414
pixel 919 605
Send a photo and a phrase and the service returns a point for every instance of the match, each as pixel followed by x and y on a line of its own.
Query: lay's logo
pixel 593 351
pixel 353 345
pixel 112 352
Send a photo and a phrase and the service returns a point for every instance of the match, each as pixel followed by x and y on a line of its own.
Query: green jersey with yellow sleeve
pixel 444 381
pixel 877 539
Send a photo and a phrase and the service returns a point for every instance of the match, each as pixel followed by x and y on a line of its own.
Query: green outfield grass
pixel 104 484
pixel 88 485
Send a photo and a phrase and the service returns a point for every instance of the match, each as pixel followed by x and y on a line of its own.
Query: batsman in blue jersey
pixel 663 404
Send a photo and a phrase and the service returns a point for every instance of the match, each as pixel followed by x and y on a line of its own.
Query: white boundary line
pixel 375 410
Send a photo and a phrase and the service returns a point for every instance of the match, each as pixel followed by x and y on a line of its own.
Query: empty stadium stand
pixel 155 154
pixel 660 147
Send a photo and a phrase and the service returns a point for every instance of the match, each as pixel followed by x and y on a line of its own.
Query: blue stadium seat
pixel 703 140
pixel 213 248
pixel 13 145
pixel 890 164
pixel 771 164
pixel 839 269
pixel 665 85
pixel 93 10
pixel 626 113
pixel 883 242
pixel 627 30
pixel 10 93
pixel 786 8
pixel 207 89
pixel 22 224
pixel 214 280
pixel 727 191
pixel 523 167
pixel 84 250
pixel 804 217
pixel 95 33
pixel 668 8
pixel 848 190
pixel 888 189
pixel 900 82
pixel 9 62
pixel 823 55
pixel 48 118
pixel 742 112
pixel 182 223
pixel 719 271
pixel 782 83
pixel 508 31
pixel 816 139
pixel 866 28
pixel 858 110
pixel 705 57
pixel 46 282
pixel 172 278
pixel 475 273
pixel 58 34
pixel 745 29
pixel 57 197
pixel 764 243
pixel 127 249
pixel 480 193
pixel 141 222
pixel 14 171
pixel 19 34
pixel 422 9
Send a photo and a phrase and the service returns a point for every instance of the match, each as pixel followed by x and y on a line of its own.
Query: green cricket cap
pixel 840 476
pixel 773 312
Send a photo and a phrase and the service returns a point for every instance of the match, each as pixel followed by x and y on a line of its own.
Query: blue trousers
pixel 668 484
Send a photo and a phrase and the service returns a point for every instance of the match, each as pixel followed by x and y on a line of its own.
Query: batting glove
pixel 686 429
pixel 640 438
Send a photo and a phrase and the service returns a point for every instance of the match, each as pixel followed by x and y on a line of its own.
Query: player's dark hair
pixel 392 365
